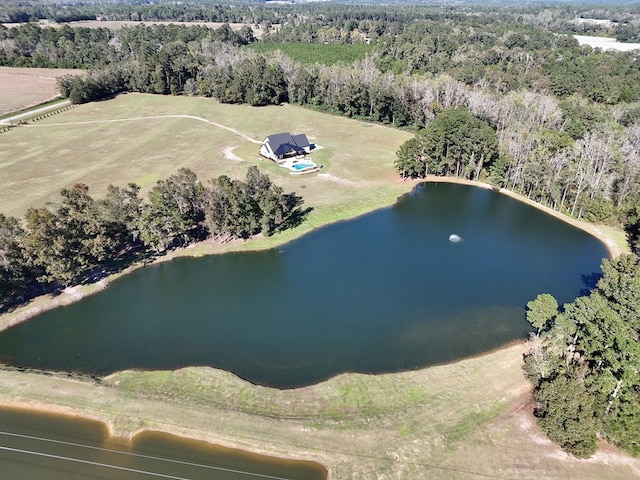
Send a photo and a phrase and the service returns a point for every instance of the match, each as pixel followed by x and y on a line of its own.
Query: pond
pixel 37 445
pixel 388 291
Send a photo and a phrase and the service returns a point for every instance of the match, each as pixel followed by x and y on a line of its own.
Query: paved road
pixel 32 113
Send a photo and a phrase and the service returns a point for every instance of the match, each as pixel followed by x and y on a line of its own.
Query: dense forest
pixel 504 95
pixel 81 239
pixel 566 117
pixel 584 362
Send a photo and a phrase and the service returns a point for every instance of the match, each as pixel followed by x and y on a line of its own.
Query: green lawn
pixel 38 160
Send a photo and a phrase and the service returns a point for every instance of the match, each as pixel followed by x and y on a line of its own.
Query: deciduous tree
pixel 15 274
pixel 455 143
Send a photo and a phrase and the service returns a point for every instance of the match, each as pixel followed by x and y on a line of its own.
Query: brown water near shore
pixel 52 446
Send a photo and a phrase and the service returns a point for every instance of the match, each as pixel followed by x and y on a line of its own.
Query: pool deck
pixel 299 165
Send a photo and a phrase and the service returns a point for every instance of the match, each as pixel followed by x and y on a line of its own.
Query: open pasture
pixel 22 88
pixel 144 138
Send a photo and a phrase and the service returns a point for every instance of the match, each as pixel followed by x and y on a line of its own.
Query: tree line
pixel 584 362
pixel 456 143
pixel 575 150
pixel 80 238
pixel 494 50
pixel 560 17
pixel 596 177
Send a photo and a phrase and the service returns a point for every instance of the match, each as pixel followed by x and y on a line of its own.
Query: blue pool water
pixel 302 166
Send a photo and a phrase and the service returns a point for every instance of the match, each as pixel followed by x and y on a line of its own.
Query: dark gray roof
pixel 301 140
pixel 283 143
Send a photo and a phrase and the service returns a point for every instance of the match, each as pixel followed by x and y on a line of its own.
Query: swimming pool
pixel 303 166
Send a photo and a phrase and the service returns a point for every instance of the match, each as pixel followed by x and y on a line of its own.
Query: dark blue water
pixel 385 292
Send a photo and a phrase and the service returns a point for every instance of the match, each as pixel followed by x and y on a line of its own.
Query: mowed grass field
pixel 142 138
pixel 468 420
pixel 22 88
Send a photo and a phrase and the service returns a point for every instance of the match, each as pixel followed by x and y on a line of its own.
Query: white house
pixel 281 146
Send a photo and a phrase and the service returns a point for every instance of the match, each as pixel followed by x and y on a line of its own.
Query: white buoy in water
pixel 455 238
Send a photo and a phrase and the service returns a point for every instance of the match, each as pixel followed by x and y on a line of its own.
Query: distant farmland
pixel 26 87
pixel 115 25
pixel 310 53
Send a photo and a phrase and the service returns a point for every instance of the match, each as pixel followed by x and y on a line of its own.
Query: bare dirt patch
pixel 333 178
pixel 26 87
pixel 611 457
pixel 228 154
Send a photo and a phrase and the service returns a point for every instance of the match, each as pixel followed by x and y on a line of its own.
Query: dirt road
pixel 32 113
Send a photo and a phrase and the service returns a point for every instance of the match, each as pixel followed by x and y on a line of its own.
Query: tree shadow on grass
pixel 296 218
pixel 297 215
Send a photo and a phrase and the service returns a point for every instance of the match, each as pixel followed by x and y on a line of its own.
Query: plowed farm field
pixel 22 88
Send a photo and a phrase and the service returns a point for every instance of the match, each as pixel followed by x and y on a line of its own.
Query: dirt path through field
pixel 33 113
pixel 242 135
pixel 228 151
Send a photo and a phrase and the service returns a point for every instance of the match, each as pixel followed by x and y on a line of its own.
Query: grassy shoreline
pixel 347 403
pixel 467 419
pixel 613 239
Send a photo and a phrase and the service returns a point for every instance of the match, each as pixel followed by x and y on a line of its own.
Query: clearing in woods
pixel 144 138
